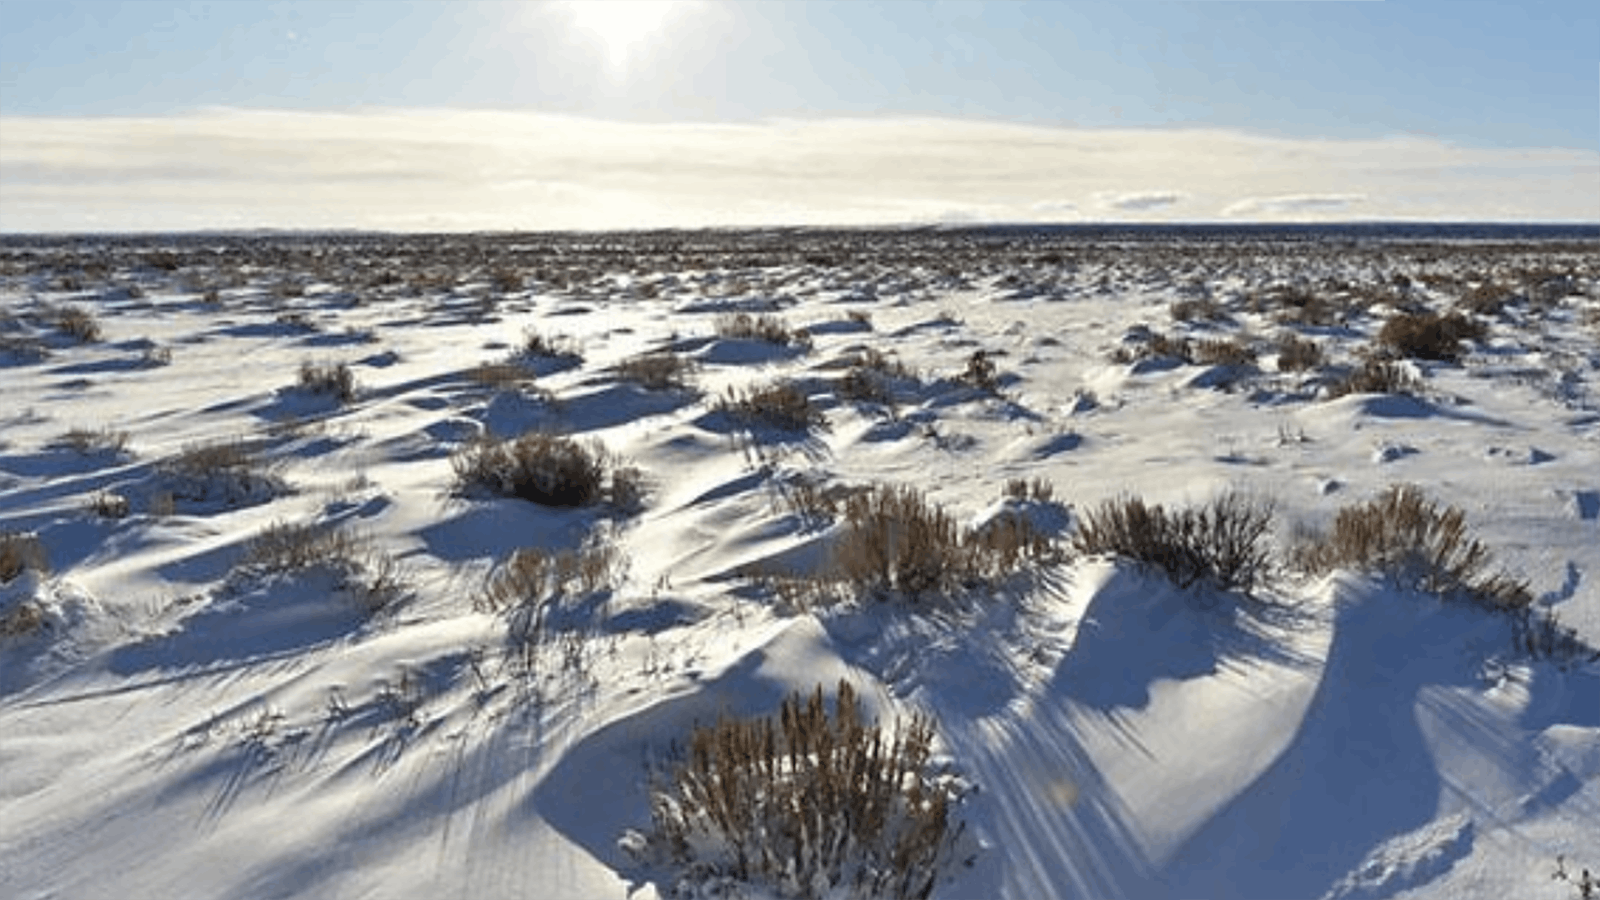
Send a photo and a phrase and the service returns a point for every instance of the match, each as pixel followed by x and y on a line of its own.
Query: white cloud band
pixel 441 169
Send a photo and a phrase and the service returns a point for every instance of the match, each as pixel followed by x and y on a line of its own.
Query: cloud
pixel 1139 201
pixel 1288 204
pixel 427 169
pixel 1053 208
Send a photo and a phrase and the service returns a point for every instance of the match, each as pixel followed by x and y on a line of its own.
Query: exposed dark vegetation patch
pixel 870 377
pixel 373 578
pixel 1428 335
pixel 548 469
pixel 534 575
pixel 1299 305
pixel 1198 309
pixel 78 323
pixel 227 470
pixel 559 348
pixel 980 372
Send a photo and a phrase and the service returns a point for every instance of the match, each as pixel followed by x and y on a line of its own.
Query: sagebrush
pixel 1428 335
pixel 781 405
pixel 894 540
pixel 1404 534
pixel 659 370
pixel 809 804
pixel 1375 376
pixel 1224 542
pixel 763 327
pixel 20 553
pixel 332 379
pixel 371 577
pixel 549 469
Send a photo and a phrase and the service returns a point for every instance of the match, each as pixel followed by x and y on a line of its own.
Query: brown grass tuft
pixel 110 505
pixel 980 372
pixel 501 376
pixel 373 578
pixel 533 575
pixel 895 541
pixel 1039 490
pixel 537 344
pixel 1296 305
pixel 1198 308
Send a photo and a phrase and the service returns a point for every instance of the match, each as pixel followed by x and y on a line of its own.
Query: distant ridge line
pixel 1376 231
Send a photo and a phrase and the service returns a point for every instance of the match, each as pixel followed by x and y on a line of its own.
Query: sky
pixel 617 114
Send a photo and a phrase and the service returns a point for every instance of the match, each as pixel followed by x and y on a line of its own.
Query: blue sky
pixel 155 115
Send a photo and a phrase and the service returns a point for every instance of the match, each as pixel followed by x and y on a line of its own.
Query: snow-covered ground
pixel 177 720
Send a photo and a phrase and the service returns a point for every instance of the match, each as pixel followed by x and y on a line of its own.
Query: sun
pixel 621 27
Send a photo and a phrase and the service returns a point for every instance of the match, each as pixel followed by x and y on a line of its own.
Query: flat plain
pixel 346 565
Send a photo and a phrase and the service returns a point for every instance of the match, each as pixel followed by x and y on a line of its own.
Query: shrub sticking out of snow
pixel 548 469
pixel 894 541
pixel 79 323
pixel 20 553
pixel 810 804
pixel 333 379
pixel 657 371
pixel 1404 534
pixel 1222 542
pixel 780 405
pixel 763 327
pixel 1429 336
pixel 372 577
pixel 1376 377
pixel 227 471
pixel 532 591
pixel 539 345
pixel 87 441
pixel 1298 354
pixel 533 575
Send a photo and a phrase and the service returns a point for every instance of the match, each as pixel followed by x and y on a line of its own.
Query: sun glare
pixel 621 27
